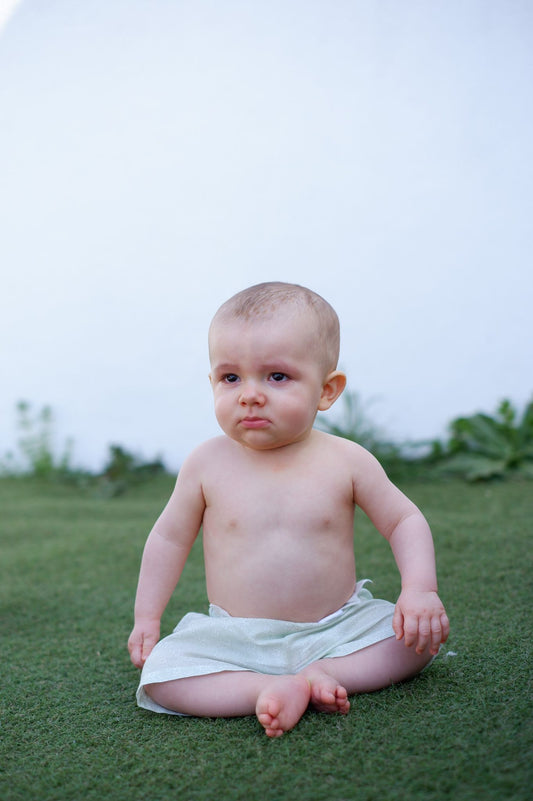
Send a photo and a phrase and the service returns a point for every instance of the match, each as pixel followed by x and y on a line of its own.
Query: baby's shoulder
pixel 206 454
pixel 340 447
pixel 347 455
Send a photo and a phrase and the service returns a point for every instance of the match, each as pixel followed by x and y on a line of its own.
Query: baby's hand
pixel 141 641
pixel 420 618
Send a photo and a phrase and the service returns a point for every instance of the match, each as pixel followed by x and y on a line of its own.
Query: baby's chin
pixel 256 441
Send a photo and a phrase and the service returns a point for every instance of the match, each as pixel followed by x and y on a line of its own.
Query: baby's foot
pixel 282 703
pixel 327 695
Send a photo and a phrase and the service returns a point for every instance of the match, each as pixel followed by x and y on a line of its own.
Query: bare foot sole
pixel 327 695
pixel 282 703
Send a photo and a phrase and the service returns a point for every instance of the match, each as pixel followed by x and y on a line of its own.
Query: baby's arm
pixel 419 616
pixel 164 557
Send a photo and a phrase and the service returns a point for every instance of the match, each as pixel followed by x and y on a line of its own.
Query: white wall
pixel 157 157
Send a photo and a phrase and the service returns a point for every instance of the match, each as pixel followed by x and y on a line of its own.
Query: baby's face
pixel 267 378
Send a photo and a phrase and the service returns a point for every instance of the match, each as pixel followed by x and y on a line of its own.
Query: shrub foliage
pixel 479 447
pixel 482 446
pixel 37 457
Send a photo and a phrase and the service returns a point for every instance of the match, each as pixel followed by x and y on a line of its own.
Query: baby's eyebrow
pixel 225 367
pixel 279 366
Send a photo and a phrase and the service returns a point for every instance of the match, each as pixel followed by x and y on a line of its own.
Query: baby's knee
pixel 412 663
pixel 165 693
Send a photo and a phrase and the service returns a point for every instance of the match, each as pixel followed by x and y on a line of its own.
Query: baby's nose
pixel 251 394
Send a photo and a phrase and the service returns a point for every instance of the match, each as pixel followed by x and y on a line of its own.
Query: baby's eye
pixel 278 377
pixel 230 378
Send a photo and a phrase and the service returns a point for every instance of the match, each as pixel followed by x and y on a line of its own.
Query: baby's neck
pixel 280 457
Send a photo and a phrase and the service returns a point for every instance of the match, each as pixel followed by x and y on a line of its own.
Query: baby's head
pixel 273 350
pixel 277 300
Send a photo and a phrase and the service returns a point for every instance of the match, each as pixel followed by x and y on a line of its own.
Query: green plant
pixel 36 444
pixel 482 446
pixel 124 469
pixel 36 457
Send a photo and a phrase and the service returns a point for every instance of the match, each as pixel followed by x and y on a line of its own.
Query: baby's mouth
pixel 254 422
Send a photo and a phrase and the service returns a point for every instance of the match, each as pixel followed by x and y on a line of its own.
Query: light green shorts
pixel 202 644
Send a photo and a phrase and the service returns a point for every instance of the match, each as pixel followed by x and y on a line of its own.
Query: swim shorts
pixel 202 644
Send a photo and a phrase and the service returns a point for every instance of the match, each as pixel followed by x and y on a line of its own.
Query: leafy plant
pixel 482 446
pixel 124 469
pixel 36 457
pixel 36 444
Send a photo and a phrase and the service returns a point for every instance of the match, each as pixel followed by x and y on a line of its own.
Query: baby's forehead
pixel 267 337
pixel 313 319
pixel 301 322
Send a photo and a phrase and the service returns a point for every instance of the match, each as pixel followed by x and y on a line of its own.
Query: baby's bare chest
pixel 241 501
pixel 280 548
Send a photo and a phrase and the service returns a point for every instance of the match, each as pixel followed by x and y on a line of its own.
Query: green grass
pixel 70 729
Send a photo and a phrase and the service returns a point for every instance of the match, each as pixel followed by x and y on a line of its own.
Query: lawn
pixel 70 728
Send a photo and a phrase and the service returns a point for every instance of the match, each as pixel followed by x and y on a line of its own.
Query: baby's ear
pixel 333 387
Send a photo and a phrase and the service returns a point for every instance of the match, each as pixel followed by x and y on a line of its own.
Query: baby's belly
pixel 276 592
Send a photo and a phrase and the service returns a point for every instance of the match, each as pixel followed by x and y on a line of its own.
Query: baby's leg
pixel 372 668
pixel 278 701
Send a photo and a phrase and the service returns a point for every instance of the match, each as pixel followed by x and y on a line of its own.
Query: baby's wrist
pixel 145 621
pixel 419 588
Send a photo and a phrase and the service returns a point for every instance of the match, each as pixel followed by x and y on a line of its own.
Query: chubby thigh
pixel 214 643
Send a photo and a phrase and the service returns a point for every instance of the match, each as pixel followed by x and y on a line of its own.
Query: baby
pixel 288 624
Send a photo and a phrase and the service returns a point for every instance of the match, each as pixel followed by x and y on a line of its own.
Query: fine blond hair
pixel 262 301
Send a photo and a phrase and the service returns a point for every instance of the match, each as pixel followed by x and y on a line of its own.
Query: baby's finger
pixel 436 635
pixel 135 653
pixel 445 626
pixel 147 648
pixel 410 628
pixel 397 623
pixel 424 635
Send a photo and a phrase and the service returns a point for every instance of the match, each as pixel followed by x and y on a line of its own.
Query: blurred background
pixel 158 156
